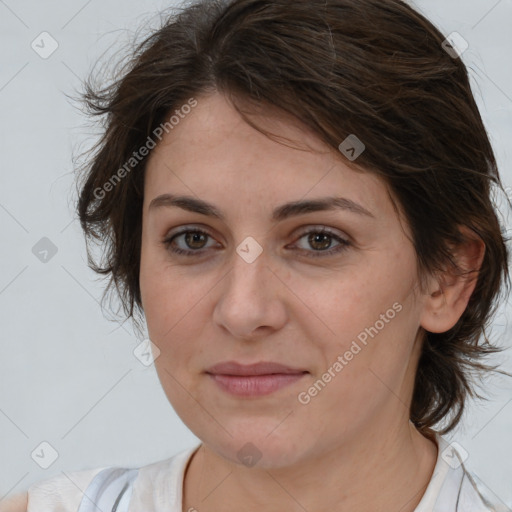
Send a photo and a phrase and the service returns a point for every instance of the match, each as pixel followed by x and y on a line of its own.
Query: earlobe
pixel 450 291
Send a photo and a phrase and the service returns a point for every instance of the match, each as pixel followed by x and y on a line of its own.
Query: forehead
pixel 212 150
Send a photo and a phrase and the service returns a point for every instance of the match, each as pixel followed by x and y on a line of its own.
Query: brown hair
pixel 373 68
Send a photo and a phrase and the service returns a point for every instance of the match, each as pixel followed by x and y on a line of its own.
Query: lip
pixel 256 379
pixel 261 368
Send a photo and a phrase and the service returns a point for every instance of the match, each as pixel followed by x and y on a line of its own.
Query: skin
pixel 15 503
pixel 352 446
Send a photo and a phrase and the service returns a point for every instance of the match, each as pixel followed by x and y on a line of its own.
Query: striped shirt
pixel 158 487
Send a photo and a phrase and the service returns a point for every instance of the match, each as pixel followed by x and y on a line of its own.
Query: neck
pixel 377 470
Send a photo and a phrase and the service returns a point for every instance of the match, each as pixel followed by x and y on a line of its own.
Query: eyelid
pixel 321 228
pixel 301 231
pixel 343 241
pixel 180 230
pixel 183 230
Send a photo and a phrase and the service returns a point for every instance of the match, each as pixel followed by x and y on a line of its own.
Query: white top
pixel 158 487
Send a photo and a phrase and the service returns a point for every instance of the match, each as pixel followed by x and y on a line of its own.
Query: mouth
pixel 257 379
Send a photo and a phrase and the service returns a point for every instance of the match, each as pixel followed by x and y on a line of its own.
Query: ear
pixel 449 293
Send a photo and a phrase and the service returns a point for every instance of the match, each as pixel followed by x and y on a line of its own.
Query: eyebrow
pixel 280 213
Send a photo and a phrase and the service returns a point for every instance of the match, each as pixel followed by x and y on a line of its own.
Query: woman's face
pixel 261 283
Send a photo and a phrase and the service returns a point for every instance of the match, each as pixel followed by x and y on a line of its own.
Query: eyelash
pixel 344 244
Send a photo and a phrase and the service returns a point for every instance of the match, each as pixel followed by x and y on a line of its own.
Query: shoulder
pixel 62 492
pixel 461 487
pixel 475 496
pixel 110 485
pixel 162 483
pixel 454 487
pixel 16 503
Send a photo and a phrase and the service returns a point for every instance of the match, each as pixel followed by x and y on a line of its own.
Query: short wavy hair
pixel 374 68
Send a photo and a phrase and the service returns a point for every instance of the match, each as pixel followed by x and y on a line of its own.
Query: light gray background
pixel 68 374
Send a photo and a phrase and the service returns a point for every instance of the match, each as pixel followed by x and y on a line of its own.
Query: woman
pixel 295 196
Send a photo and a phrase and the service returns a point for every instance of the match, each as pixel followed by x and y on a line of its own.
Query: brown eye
pixel 190 242
pixel 195 239
pixel 321 241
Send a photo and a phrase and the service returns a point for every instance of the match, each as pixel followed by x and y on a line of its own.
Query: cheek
pixel 172 314
pixel 166 295
pixel 368 315
pixel 174 323
pixel 175 309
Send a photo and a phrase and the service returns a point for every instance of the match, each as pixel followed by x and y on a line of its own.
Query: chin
pixel 257 444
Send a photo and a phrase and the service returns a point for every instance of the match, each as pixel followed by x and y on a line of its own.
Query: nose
pixel 252 298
